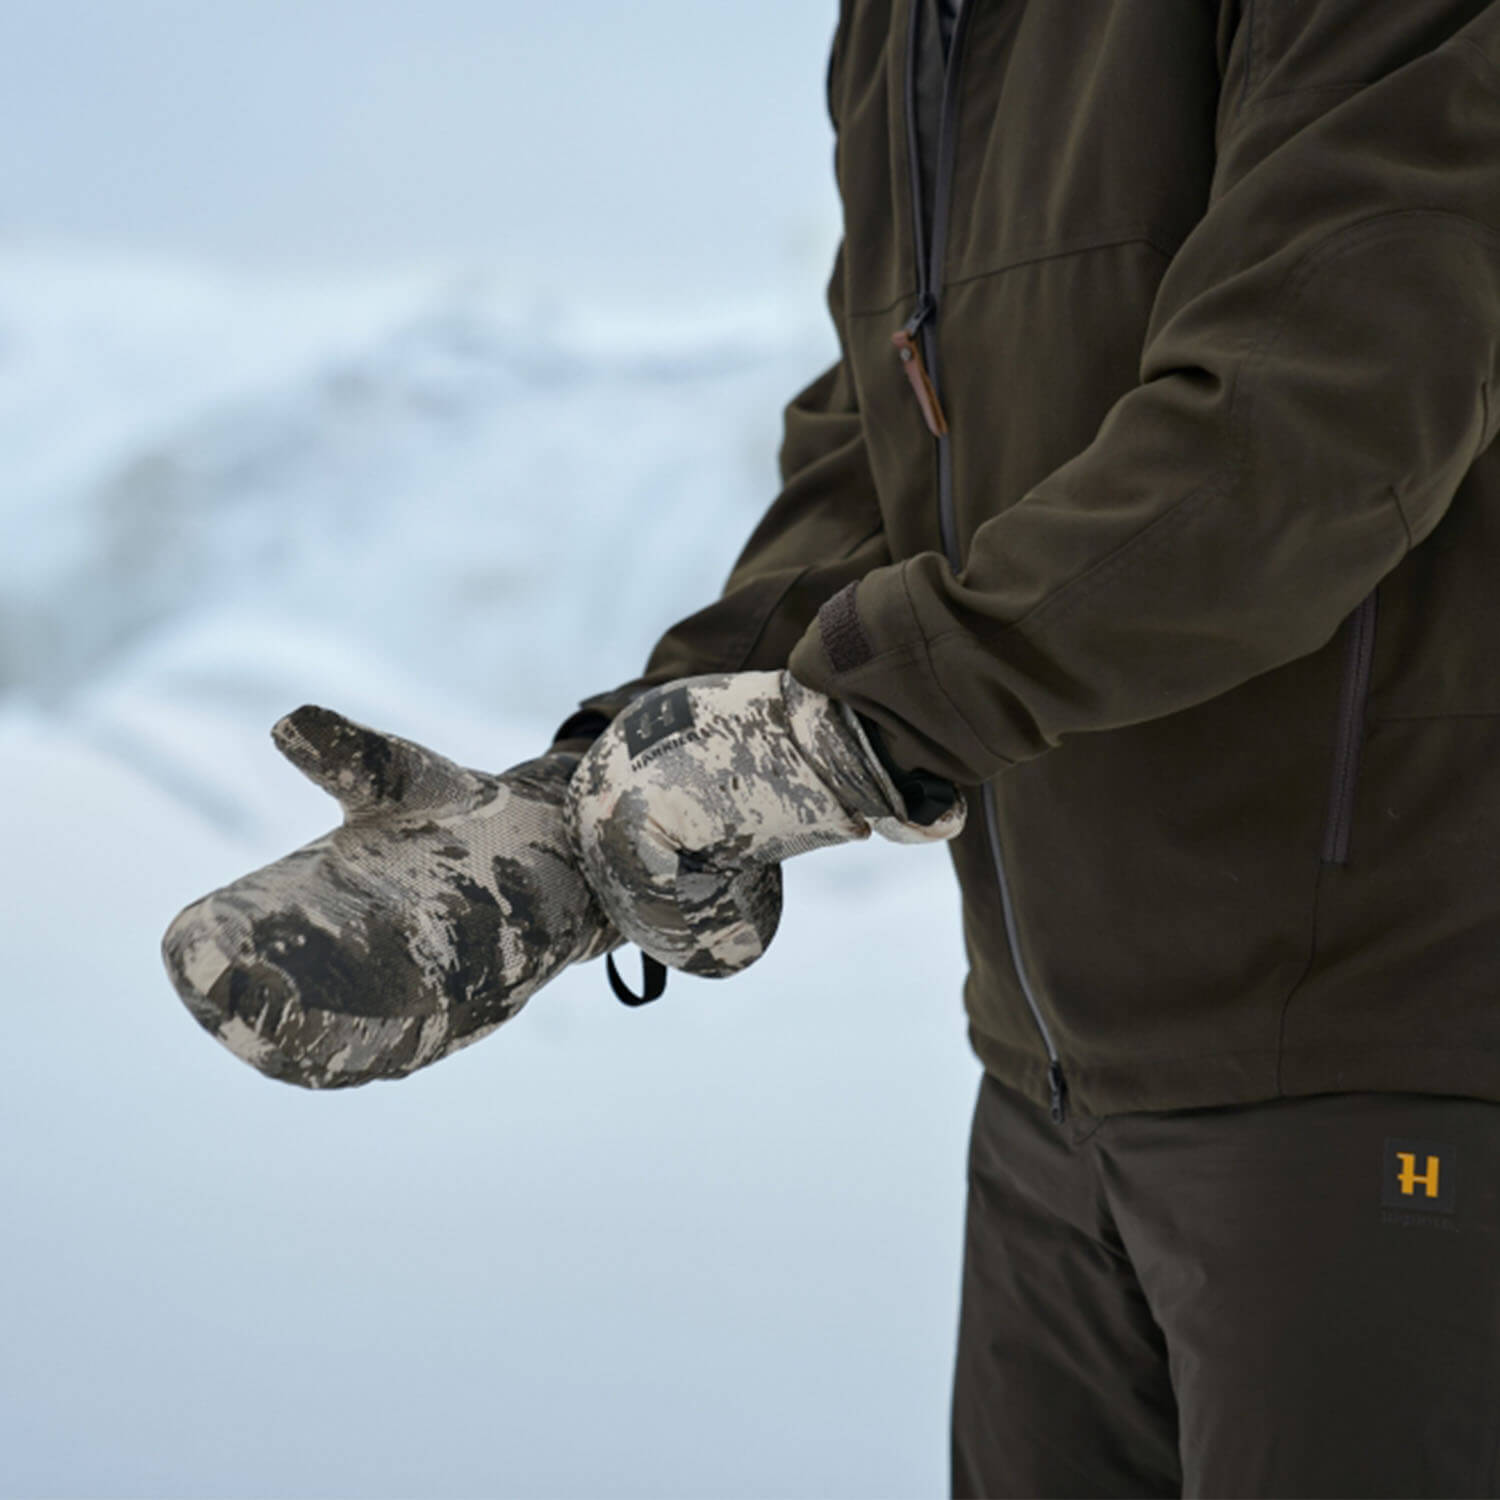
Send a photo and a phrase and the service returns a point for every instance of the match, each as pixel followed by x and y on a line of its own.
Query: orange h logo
pixel 1409 1177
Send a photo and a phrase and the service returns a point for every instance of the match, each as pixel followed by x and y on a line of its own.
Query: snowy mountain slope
pixel 509 457
pixel 709 1248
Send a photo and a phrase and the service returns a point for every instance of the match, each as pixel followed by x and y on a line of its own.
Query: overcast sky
pixel 623 143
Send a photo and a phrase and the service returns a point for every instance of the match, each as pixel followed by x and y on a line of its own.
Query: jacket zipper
pixel 921 365
pixel 1354 693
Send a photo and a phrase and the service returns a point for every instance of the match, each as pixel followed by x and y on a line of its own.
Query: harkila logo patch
pixel 1421 1176
pixel 655 717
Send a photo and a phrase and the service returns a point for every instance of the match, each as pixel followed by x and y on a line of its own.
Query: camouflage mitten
pixel 445 899
pixel 683 809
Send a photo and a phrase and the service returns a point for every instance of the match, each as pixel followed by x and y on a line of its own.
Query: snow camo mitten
pixel 683 809
pixel 445 899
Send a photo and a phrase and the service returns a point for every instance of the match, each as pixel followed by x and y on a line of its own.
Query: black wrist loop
pixel 653 980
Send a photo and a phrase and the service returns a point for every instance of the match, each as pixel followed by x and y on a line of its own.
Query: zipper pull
pixel 910 351
pixel 926 306
pixel 1059 1092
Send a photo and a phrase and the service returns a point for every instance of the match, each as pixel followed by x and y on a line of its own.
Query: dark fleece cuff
pixel 578 731
pixel 927 797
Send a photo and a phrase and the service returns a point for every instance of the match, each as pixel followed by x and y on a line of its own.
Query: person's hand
pixel 684 807
pixel 446 898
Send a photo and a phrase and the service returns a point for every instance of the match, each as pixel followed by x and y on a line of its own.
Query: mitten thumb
pixel 368 771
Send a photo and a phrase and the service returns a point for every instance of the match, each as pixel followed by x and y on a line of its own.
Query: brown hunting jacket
pixel 1184 553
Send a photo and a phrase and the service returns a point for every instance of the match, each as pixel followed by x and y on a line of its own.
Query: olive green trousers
pixel 1295 1298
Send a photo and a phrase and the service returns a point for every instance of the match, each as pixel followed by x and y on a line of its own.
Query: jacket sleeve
pixel 822 531
pixel 1313 385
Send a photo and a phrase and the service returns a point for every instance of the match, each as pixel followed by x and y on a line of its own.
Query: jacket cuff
pixel 866 646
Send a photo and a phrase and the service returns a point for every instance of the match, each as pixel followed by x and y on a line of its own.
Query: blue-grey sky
pixel 626 143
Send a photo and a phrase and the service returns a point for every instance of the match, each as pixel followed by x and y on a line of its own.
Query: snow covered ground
pixel 708 1248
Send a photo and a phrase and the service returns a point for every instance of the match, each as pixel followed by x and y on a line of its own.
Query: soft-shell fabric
pixel 947 11
pixel 1294 1298
pixel 1218 313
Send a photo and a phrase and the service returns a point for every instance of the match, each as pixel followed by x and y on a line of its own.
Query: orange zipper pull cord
pixel 916 370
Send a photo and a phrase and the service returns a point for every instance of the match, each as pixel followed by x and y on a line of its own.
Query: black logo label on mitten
pixel 655 717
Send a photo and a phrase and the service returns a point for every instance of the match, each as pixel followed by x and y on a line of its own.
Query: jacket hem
pixel 1147 1083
